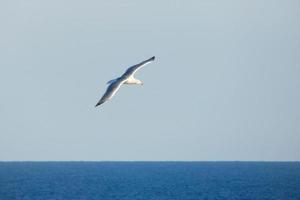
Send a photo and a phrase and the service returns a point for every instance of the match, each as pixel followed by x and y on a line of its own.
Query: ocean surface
pixel 149 180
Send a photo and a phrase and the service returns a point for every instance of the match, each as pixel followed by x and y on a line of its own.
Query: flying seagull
pixel 126 78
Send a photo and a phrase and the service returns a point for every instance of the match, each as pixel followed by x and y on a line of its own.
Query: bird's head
pixel 140 82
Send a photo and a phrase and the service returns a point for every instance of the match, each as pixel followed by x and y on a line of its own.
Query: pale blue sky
pixel 224 86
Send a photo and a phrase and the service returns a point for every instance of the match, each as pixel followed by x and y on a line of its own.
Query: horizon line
pixel 149 160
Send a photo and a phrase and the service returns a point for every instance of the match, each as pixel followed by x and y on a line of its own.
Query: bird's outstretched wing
pixel 131 70
pixel 110 91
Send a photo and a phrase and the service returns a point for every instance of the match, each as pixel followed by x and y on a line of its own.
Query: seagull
pixel 126 78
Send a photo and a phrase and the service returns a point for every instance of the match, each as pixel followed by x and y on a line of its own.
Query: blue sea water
pixel 149 180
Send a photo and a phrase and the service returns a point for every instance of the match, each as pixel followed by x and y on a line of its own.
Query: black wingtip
pixel 98 104
pixel 153 58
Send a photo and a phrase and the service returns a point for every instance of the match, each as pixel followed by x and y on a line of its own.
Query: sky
pixel 224 85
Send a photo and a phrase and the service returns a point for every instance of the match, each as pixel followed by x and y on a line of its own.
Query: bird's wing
pixel 131 70
pixel 110 91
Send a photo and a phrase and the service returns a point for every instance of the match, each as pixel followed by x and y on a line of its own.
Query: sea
pixel 149 180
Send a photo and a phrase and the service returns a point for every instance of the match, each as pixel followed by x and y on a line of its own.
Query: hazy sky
pixel 225 84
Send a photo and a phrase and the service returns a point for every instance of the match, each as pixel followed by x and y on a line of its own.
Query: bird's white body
pixel 133 81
